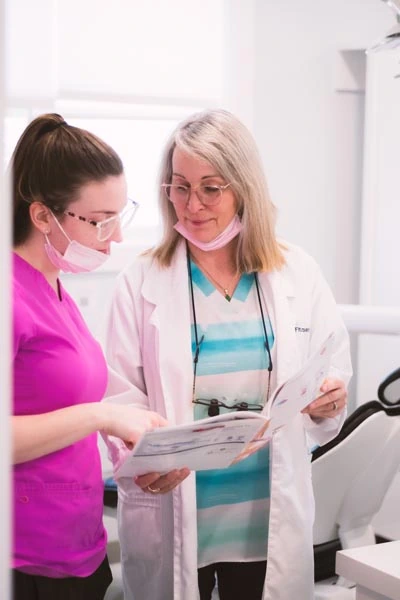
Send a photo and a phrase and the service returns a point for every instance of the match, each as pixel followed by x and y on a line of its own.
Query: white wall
pixel 380 248
pixel 309 123
pixel 310 134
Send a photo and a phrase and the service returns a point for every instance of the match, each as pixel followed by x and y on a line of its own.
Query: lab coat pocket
pixel 140 527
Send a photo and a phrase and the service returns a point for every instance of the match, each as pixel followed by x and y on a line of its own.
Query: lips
pixel 198 223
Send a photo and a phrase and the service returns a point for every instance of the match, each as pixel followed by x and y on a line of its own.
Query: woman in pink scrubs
pixel 69 203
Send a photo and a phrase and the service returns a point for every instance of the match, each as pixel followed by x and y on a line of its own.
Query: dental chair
pixel 351 475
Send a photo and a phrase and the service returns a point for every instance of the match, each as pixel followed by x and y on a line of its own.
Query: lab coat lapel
pixel 167 289
pixel 281 291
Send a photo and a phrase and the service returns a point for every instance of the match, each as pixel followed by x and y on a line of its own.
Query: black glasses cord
pixel 265 331
pixel 198 343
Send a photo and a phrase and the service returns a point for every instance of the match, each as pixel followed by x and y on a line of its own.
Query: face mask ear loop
pixel 60 226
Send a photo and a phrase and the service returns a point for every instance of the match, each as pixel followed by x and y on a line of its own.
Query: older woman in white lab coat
pixel 219 251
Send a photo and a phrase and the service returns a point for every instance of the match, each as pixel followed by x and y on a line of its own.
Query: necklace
pixel 200 341
pixel 227 295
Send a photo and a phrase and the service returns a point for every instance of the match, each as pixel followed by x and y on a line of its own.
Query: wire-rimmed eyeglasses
pixel 214 405
pixel 208 194
pixel 106 228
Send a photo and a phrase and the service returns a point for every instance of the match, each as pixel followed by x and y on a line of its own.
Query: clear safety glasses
pixel 106 228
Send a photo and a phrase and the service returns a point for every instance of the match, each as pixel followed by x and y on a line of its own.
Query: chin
pixel 204 239
pixel 203 236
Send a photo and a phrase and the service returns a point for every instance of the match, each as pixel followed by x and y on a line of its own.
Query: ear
pixel 41 217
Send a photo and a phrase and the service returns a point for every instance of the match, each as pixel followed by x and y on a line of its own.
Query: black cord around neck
pixel 198 343
pixel 263 322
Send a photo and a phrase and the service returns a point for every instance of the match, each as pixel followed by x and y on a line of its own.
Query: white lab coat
pixel 149 343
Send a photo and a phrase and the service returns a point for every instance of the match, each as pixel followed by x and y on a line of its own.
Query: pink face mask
pixel 77 258
pixel 222 239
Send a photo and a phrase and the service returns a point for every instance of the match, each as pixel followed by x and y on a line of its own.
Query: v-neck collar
pixel 240 293
pixel 34 277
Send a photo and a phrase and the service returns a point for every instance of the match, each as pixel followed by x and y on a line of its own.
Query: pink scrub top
pixel 58 498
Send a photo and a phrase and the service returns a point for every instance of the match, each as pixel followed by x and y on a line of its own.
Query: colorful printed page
pixel 217 442
pixel 301 389
pixel 211 443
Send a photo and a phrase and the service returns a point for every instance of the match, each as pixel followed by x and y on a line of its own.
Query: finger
pixel 173 484
pixel 330 384
pixel 159 421
pixel 335 401
pixel 330 410
pixel 160 482
pixel 143 481
pixel 337 395
pixel 165 479
pixel 173 478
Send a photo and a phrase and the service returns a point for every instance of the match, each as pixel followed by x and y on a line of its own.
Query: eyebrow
pixel 204 176
pixel 103 212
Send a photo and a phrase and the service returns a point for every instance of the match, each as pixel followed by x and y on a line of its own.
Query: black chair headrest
pixel 389 389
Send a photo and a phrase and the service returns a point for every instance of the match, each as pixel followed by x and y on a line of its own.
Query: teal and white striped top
pixel 232 503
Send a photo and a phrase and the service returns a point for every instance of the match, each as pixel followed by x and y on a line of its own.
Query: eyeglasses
pixel 214 405
pixel 106 228
pixel 209 195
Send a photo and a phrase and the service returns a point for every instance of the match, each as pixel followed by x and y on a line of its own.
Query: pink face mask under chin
pixel 77 258
pixel 231 231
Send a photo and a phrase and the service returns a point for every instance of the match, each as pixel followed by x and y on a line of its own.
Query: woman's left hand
pixel 155 483
pixel 332 401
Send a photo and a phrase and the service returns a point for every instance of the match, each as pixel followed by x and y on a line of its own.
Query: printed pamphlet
pixel 218 442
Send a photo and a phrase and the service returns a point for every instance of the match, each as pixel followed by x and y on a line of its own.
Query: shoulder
pixel 22 291
pixel 138 267
pixel 301 275
pixel 23 317
pixel 146 267
pixel 297 260
pixel 143 272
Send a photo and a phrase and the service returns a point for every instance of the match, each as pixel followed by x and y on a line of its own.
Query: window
pixel 129 71
pixel 139 142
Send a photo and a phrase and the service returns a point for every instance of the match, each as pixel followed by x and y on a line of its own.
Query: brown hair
pixel 50 164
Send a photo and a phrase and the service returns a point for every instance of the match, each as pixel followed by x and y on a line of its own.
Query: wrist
pixel 102 416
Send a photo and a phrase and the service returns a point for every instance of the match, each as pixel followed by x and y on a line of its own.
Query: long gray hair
pixel 220 139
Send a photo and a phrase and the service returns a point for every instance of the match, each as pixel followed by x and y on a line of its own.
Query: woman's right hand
pixel 128 422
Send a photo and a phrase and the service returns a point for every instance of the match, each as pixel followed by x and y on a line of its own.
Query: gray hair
pixel 220 139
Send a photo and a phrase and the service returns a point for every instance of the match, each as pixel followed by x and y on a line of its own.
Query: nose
pixel 193 202
pixel 117 234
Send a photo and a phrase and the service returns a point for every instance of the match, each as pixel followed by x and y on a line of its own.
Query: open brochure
pixel 218 442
